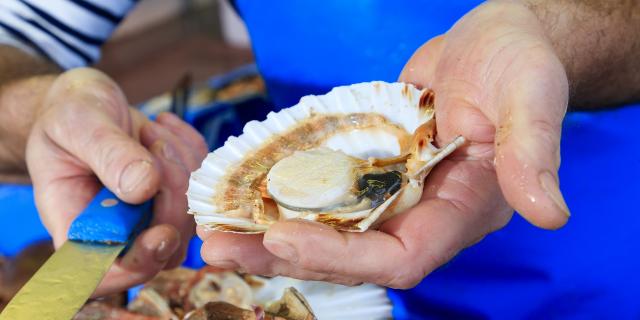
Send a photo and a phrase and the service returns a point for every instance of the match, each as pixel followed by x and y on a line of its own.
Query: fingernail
pixel 164 251
pixel 282 250
pixel 550 186
pixel 133 175
pixel 224 264
pixel 169 153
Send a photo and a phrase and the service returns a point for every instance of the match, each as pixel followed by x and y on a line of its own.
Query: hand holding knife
pixel 64 283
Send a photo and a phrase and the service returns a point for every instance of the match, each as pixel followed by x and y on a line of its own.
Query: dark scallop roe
pixel 378 187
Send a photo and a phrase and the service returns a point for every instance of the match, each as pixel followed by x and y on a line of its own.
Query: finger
pixel 410 245
pixel 247 254
pixel 61 202
pixel 204 233
pixel 528 142
pixel 420 69
pixel 185 153
pixel 176 150
pixel 61 189
pixel 457 113
pixel 170 204
pixel 339 253
pixel 149 253
pixel 233 252
pixel 186 133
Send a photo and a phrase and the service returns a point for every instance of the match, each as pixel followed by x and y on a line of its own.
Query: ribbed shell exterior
pixel 332 301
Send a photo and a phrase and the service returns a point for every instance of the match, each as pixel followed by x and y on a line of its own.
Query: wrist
pixel 596 41
pixel 24 81
pixel 555 18
pixel 20 104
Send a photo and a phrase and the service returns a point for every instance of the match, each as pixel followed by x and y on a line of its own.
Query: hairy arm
pixel 24 81
pixel 598 43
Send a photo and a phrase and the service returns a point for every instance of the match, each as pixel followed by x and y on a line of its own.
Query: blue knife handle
pixel 109 220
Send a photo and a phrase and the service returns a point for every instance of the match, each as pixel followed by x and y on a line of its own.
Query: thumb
pixel 420 69
pixel 88 117
pixel 528 143
pixel 104 148
pixel 62 173
pixel 121 163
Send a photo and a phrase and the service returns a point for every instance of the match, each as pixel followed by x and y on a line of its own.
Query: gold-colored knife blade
pixel 68 278
pixel 64 283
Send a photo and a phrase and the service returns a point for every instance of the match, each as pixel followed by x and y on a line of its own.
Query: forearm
pixel 24 81
pixel 598 43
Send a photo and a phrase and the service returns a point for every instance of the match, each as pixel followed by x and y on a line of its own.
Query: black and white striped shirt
pixel 69 32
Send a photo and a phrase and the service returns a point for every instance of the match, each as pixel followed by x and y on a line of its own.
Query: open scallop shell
pixel 387 125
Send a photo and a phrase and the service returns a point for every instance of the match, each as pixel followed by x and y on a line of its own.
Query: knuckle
pixel 547 134
pixel 499 219
pixel 544 126
pixel 331 266
pixel 176 178
pixel 62 121
pixel 436 260
pixel 404 274
pixel 309 263
pixel 323 263
pixel 412 272
pixel 105 148
pixel 405 278
pixel 99 136
pixel 546 129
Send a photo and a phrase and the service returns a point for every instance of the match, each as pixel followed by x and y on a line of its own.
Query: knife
pixel 68 278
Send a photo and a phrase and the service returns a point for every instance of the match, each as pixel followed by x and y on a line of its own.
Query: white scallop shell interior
pixel 397 102
pixel 332 301
pixel 360 143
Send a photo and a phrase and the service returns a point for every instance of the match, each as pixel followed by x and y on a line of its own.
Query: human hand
pixel 499 84
pixel 86 136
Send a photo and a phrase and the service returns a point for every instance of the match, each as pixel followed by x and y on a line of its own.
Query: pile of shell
pixel 205 294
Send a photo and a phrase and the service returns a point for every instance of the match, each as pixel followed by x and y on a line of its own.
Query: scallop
pixel 351 159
